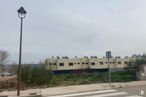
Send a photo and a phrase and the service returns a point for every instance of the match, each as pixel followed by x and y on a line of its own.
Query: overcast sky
pixel 73 28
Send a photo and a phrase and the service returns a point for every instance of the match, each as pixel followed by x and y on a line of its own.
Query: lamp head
pixel 21 12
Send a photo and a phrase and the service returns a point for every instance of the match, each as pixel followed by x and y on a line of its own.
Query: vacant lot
pixel 8 82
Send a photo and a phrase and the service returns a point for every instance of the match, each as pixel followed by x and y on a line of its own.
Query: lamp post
pixel 21 14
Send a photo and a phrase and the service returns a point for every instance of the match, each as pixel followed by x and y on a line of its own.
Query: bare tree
pixel 3 59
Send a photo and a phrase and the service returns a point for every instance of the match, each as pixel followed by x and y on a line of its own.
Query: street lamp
pixel 21 14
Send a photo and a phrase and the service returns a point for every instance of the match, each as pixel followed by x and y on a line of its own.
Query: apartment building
pixel 92 63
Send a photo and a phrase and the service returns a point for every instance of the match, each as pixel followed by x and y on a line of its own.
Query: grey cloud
pixel 73 28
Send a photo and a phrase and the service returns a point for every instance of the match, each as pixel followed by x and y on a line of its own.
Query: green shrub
pixel 35 75
pixel 85 82
pixel 38 76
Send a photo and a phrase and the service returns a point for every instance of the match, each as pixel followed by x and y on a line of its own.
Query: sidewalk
pixel 72 89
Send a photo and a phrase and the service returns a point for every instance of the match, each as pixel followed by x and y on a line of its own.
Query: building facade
pixel 92 63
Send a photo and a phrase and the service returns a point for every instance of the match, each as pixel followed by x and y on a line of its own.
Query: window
pixel 74 63
pixel 110 62
pixel 126 62
pixel 92 63
pixel 83 63
pixel 70 64
pixel 105 62
pixel 54 63
pixel 119 62
pixel 78 63
pixel 101 63
pixel 61 64
pixel 87 63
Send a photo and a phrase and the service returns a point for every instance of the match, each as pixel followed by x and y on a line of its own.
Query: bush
pixel 9 82
pixel 85 82
pixel 123 76
pixel 38 76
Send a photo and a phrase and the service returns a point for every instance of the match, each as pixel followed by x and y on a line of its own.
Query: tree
pixel 135 64
pixel 3 59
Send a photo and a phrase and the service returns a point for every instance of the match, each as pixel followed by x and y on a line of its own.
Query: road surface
pixel 138 91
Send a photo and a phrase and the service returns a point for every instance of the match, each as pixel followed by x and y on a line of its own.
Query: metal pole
pixel 19 67
pixel 109 73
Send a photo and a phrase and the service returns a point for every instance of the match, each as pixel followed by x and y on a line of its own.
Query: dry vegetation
pixel 8 83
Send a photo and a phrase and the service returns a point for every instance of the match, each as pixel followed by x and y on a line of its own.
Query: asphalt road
pixel 137 91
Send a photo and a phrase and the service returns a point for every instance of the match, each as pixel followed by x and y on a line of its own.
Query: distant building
pixel 92 63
